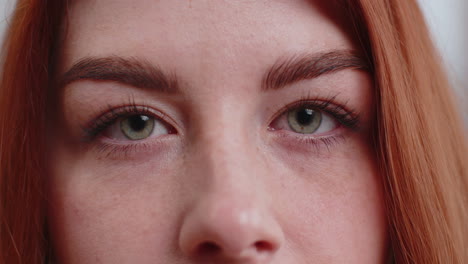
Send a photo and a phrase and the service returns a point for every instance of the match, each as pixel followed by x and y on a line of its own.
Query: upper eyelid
pixel 92 129
pixel 113 113
pixel 321 104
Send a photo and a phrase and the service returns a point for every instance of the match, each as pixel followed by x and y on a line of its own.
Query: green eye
pixel 304 120
pixel 137 127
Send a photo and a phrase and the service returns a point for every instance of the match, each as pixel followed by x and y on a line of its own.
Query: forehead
pixel 175 33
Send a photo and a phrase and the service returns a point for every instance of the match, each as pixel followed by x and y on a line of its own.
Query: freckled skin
pixel 224 188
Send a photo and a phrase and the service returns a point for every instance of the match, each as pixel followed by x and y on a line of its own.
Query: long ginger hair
pixel 419 136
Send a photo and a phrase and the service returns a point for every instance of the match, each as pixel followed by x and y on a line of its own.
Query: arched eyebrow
pixel 142 74
pixel 130 71
pixel 302 67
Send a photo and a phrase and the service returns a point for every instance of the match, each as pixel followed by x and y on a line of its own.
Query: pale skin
pixel 221 177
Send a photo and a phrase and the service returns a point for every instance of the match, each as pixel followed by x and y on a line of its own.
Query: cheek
pixel 110 211
pixel 332 204
pixel 328 205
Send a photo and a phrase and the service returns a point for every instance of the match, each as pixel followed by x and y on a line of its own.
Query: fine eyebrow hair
pixel 142 74
pixel 298 68
pixel 131 71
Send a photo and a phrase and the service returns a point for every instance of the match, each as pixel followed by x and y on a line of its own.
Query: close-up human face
pixel 214 132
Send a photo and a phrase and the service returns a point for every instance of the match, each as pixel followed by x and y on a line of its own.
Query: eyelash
pixel 344 116
pixel 112 114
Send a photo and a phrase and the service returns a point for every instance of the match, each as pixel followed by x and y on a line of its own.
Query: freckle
pixel 283 185
pixel 302 169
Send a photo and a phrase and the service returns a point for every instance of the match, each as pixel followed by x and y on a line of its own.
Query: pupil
pixel 305 116
pixel 138 123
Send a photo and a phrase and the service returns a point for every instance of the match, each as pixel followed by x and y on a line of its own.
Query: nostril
pixel 211 249
pixel 263 246
pixel 208 249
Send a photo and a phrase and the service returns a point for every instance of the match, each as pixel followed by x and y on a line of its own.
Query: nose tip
pixel 230 234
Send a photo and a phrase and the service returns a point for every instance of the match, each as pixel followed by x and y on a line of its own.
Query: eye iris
pixel 304 120
pixel 137 127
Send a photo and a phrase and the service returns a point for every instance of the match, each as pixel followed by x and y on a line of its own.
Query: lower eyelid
pixel 339 129
pixel 297 143
pixel 129 150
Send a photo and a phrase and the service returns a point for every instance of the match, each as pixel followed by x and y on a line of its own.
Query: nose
pixel 230 229
pixel 230 218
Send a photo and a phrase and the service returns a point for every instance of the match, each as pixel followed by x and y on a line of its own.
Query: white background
pixel 448 22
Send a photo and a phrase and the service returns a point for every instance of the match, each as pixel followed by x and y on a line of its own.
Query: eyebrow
pixel 301 67
pixel 129 71
pixel 142 74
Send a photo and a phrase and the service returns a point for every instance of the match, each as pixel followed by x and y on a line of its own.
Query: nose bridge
pixel 225 144
pixel 229 218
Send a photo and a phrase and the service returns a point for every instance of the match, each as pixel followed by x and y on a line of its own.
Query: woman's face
pixel 214 132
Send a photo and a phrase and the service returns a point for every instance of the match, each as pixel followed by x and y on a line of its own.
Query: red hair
pixel 419 136
pixel 25 77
